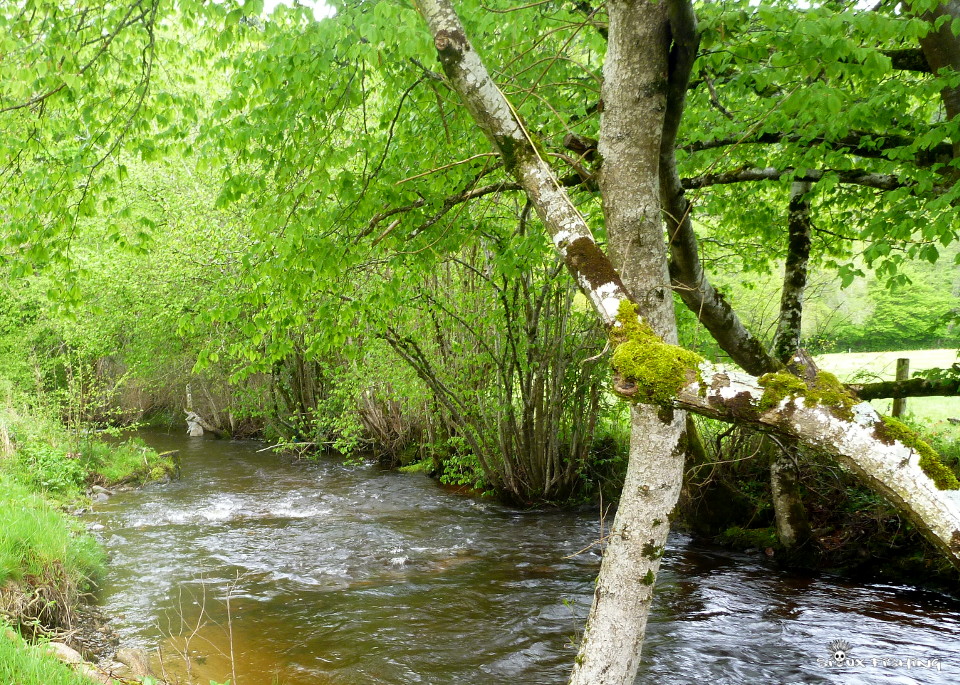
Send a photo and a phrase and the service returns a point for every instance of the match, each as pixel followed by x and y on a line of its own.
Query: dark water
pixel 353 575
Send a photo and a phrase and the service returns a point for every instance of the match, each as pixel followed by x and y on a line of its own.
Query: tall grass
pixel 35 537
pixel 46 560
pixel 22 665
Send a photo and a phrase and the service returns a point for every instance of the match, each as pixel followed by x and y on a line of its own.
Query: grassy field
pixel 865 367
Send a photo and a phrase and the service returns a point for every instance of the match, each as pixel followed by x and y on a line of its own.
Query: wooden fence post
pixel 903 373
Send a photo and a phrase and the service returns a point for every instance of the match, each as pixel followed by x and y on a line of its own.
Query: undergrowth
pixel 854 530
pixel 47 560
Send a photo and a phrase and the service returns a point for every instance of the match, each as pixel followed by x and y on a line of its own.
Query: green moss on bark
pixel 646 369
pixel 652 551
pixel 930 463
pixel 778 387
pixel 825 391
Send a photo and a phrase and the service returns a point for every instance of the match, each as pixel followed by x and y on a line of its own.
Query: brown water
pixel 354 575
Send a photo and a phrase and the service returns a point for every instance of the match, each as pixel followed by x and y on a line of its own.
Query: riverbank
pixel 49 563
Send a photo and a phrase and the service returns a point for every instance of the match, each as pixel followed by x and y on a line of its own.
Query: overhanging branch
pixel 746 175
pixel 914 387
pixel 859 143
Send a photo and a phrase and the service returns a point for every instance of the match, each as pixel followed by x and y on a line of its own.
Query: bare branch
pixel 851 176
pixel 915 387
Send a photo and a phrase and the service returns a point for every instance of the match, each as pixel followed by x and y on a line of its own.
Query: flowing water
pixel 269 571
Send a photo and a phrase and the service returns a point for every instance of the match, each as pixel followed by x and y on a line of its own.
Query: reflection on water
pixel 350 575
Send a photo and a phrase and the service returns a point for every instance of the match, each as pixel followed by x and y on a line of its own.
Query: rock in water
pixel 136 659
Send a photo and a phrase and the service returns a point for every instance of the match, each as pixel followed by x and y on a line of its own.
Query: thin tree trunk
pixel 799 236
pixel 793 526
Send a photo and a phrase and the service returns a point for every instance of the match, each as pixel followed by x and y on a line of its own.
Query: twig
pixel 447 166
pixel 287 444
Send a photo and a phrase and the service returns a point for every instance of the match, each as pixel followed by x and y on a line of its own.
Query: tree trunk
pixel 888 457
pixel 634 97
pixel 799 236
pixel 790 514
pixel 793 525
pixel 942 50
pixel 687 274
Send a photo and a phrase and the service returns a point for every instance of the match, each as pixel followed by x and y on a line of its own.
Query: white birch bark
pixel 888 466
pixel 612 639
pixel 570 233
pixel 611 648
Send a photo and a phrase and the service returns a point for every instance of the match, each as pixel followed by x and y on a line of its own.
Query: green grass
pixel 127 462
pixel 36 538
pixel 46 558
pixel 21 664
pixel 39 452
pixel 866 367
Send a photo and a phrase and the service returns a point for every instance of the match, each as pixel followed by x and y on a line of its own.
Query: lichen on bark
pixel 891 429
pixel 825 390
pixel 646 369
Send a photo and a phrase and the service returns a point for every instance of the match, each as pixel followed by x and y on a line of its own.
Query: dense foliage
pixel 294 223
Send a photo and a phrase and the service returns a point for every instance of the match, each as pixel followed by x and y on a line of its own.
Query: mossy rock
pixel 425 466
pixel 745 538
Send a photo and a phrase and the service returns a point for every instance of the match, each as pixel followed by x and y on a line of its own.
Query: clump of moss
pixel 930 463
pixel 779 386
pixel 649 370
pixel 424 466
pixel 828 391
pixel 825 390
pixel 652 551
pixel 745 538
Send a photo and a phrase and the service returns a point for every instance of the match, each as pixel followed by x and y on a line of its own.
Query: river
pixel 266 570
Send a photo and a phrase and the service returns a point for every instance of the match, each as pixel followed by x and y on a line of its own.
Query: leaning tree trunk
pixel 816 412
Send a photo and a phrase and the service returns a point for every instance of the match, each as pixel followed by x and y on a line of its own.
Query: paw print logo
pixel 839 650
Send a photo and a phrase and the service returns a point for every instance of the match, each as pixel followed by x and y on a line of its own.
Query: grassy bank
pixel 47 559
pixel 22 663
